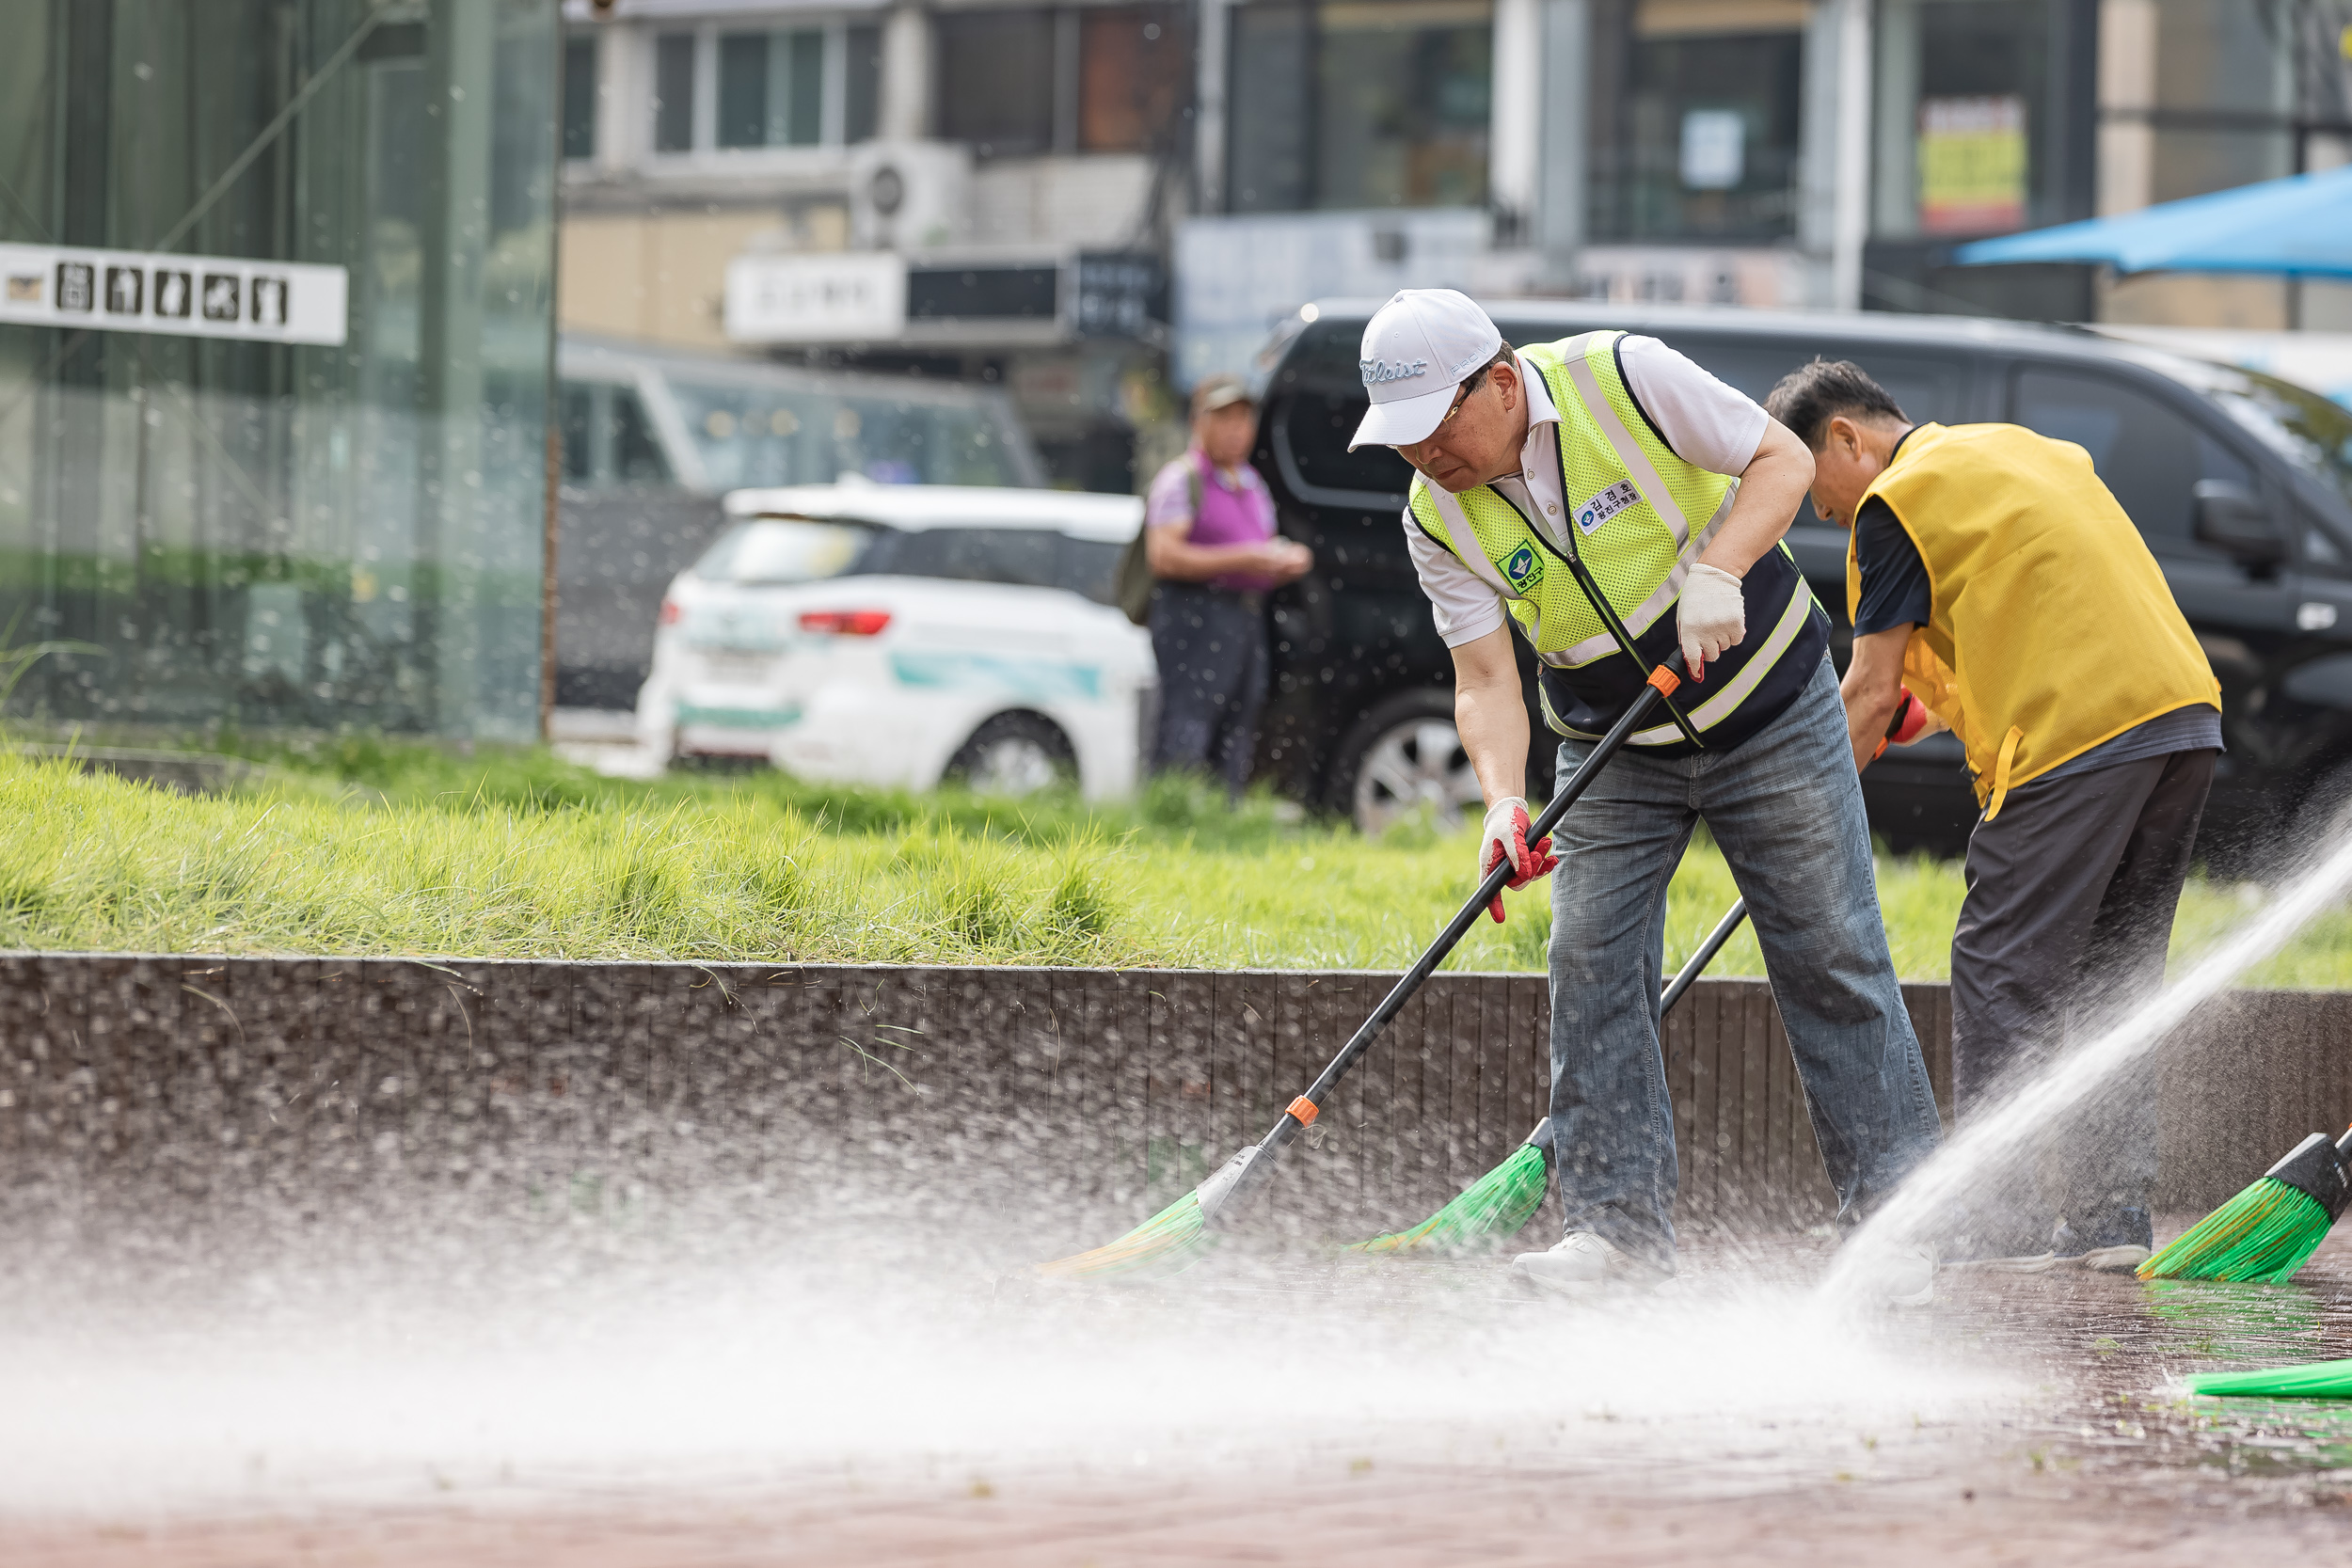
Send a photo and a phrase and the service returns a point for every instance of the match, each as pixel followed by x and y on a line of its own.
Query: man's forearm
pixel 1492 719
pixel 1872 689
pixel 1772 487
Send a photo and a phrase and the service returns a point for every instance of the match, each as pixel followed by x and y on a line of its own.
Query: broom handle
pixel 1662 681
pixel 1689 972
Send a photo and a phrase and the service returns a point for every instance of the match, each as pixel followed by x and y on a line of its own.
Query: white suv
pixel 904 635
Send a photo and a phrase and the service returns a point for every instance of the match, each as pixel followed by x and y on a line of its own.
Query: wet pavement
pixel 1386 1416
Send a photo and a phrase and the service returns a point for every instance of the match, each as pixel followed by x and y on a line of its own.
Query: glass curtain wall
pixel 1695 119
pixel 1976 135
pixel 273 533
pixel 1395 112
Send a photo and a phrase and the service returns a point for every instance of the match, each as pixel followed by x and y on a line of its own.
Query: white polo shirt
pixel 1705 422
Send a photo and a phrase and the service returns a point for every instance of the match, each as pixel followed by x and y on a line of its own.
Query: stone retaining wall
pixel 310 1080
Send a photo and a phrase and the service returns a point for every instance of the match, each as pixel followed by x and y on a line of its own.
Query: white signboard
pixel 841 296
pixel 191 296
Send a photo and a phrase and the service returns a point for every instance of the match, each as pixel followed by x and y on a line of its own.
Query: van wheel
pixel 1403 759
pixel 1013 753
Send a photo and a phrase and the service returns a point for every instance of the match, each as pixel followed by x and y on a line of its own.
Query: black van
pixel 2241 484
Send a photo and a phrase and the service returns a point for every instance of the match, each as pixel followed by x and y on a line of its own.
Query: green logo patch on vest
pixel 1523 569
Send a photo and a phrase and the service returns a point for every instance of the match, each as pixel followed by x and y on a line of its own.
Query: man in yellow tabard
pixel 1994 583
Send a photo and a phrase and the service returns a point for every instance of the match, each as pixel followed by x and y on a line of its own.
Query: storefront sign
pixel 188 296
pixel 838 297
pixel 1714 150
pixel 1972 165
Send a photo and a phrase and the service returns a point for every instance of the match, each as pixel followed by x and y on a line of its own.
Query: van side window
pixel 637 457
pixel 574 410
pixel 608 439
pixel 2150 454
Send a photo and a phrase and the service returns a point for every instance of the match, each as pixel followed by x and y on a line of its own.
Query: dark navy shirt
pixel 1895 591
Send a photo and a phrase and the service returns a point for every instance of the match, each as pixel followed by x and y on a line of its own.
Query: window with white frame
pixel 733 88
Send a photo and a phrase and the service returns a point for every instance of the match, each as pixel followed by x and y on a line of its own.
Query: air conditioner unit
pixel 910 196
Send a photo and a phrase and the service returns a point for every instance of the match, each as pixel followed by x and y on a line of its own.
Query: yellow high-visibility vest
pixel 2051 628
pixel 1639 516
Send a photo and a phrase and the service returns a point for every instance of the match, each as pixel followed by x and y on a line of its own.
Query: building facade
pixel 978 171
pixel 274 340
pixel 979 193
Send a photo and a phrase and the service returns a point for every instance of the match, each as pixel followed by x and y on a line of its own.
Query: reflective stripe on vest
pixel 1593 437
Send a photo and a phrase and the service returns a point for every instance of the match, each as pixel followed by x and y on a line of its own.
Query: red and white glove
pixel 1505 836
pixel 1909 722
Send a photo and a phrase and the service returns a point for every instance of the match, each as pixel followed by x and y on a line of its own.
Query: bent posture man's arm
pixel 1491 714
pixel 1872 688
pixel 1712 618
pixel 1772 487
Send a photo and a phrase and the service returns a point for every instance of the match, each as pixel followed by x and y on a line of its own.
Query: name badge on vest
pixel 1606 505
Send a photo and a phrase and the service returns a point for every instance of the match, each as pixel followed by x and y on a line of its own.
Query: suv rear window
pixel 773 551
pixel 793 549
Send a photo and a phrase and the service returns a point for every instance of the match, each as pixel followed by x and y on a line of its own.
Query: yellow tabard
pixel 2052 628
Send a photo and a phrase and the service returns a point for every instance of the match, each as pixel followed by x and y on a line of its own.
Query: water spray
pixel 1922 1204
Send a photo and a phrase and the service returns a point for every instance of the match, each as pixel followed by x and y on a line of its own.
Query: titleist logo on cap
pixel 1378 371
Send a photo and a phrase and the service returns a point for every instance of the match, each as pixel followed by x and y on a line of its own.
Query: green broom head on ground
pixel 2313 1380
pixel 2266 1232
pixel 1168 1242
pixel 1490 1211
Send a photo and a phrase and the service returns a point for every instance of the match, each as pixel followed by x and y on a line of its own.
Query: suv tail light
pixel 670 613
pixel 846 623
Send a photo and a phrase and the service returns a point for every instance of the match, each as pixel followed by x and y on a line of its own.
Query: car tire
pixel 1404 757
pixel 1013 753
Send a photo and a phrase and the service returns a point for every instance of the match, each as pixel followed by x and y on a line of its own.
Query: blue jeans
pixel 1785 809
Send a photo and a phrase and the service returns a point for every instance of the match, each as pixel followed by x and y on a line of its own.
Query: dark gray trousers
pixel 1210 645
pixel 2071 896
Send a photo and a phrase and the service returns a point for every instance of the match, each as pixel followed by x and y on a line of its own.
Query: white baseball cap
pixel 1417 347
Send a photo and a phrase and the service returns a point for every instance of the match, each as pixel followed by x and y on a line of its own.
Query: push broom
pixel 1496 1206
pixel 2313 1380
pixel 2266 1232
pixel 1172 1239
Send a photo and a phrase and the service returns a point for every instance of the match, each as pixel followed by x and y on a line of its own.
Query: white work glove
pixel 1711 617
pixel 1505 836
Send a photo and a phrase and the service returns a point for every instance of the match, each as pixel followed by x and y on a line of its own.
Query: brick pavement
pixel 2099 1467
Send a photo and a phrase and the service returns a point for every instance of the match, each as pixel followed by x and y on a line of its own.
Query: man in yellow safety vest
pixel 1614 501
pixel 1994 582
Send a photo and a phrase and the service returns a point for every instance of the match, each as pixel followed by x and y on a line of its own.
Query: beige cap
pixel 1218 392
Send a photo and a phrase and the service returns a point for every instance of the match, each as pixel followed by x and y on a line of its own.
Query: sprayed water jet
pixel 1998 1137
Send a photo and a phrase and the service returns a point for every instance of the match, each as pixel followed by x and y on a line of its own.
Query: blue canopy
pixel 2300 227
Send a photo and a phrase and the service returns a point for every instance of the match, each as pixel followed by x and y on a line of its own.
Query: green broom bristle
pixel 2262 1235
pixel 1491 1210
pixel 2313 1380
pixel 1167 1242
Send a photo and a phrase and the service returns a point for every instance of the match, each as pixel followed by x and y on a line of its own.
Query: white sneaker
pixel 1582 1261
pixel 2113 1259
pixel 2040 1262
pixel 1900 1274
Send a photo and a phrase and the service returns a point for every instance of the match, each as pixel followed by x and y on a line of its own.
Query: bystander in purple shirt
pixel 1237 510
